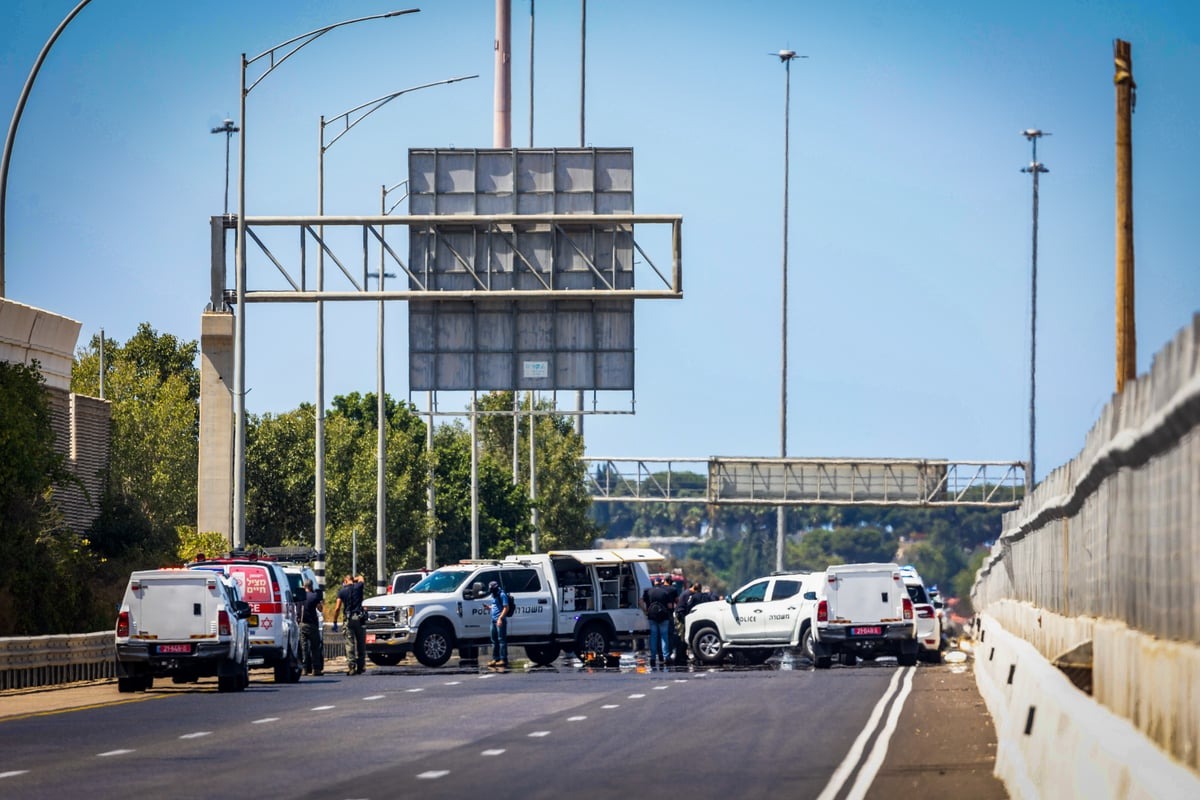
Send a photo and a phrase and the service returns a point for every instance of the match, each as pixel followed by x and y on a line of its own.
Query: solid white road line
pixel 838 779
pixel 874 761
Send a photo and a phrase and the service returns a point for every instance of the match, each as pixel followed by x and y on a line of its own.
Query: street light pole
pixel 11 137
pixel 349 119
pixel 1034 168
pixel 229 129
pixel 786 57
pixel 238 533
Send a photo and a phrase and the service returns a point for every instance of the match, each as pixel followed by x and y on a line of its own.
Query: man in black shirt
pixel 311 621
pixel 349 601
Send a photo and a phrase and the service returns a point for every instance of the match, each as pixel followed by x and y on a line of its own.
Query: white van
pixel 274 612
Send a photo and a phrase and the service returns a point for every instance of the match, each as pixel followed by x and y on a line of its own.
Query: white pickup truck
pixel 184 624
pixel 569 600
pixel 756 620
pixel 863 610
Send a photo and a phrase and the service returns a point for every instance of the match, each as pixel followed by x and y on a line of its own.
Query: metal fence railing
pixel 34 661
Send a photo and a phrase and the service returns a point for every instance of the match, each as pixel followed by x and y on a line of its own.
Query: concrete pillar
pixel 214 495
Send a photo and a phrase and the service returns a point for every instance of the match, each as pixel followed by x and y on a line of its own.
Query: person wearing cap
pixel 499 609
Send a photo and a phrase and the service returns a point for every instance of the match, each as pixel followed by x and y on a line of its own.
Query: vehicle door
pixel 782 608
pixel 748 612
pixel 535 612
pixel 476 604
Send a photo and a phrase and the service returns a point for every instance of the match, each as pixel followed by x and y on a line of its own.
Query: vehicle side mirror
pixel 241 609
pixel 938 604
pixel 729 599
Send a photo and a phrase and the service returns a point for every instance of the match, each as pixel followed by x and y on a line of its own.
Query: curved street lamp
pixel 349 120
pixel 16 121
pixel 239 351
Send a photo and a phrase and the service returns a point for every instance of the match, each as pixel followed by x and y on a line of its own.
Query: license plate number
pixel 370 638
pixel 866 630
pixel 174 648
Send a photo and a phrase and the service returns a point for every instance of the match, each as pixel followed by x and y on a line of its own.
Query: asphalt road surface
pixel 566 731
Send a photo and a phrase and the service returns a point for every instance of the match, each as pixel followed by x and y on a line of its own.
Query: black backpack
pixel 510 606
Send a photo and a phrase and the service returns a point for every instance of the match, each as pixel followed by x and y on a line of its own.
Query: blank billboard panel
pixel 541 343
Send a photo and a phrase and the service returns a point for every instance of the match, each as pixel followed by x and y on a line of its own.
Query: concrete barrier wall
pixel 28 662
pixel 1054 741
pixel 1106 551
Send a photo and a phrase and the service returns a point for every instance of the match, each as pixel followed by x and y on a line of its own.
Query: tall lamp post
pixel 349 119
pixel 229 129
pixel 11 137
pixel 786 57
pixel 292 46
pixel 1035 168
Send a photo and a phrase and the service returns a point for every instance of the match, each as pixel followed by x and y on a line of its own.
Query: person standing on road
pixel 682 606
pixel 312 619
pixel 349 603
pixel 499 609
pixel 658 602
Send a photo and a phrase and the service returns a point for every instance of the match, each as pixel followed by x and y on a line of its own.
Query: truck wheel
pixel 542 655
pixel 706 645
pixel 848 659
pixel 593 638
pixel 128 685
pixel 806 645
pixel 386 659
pixel 434 644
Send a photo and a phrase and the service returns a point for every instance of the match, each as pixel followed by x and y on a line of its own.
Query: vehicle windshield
pixel 441 581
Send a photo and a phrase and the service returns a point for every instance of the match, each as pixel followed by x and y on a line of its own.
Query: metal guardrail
pixel 29 662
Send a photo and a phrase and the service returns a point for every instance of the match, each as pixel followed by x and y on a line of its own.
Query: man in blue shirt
pixel 499 608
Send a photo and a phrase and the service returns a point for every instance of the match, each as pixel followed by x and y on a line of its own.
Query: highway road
pixel 565 731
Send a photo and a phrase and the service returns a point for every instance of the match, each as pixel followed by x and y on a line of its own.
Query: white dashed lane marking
pixel 265 719
pixel 322 708
pixel 576 719
pixel 611 705
pixel 497 752
pixel 375 697
pixel 16 772
pixel 433 774
pixel 660 688
pixel 113 753
pixel 196 735
pixel 453 683
pixel 418 689
pixel 539 734
pixel 636 696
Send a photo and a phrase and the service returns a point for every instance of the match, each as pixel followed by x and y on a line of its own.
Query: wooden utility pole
pixel 1126 100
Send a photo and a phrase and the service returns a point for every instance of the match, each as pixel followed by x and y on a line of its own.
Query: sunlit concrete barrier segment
pixel 1054 741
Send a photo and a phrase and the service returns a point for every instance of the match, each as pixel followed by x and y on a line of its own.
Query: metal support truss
pixel 807 481
pixel 495 231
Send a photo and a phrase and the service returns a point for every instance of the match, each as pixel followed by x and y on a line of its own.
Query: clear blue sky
pixel 909 227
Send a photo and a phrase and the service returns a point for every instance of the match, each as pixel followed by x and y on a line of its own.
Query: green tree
pixel 36 548
pixel 154 386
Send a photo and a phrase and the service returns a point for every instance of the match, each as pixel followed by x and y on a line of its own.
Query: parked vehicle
pixel 274 611
pixel 929 621
pixel 405 579
pixel 756 620
pixel 862 610
pixel 185 625
pixel 573 600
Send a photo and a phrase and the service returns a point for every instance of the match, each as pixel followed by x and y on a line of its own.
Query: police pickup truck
pixel 862 611
pixel 570 600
